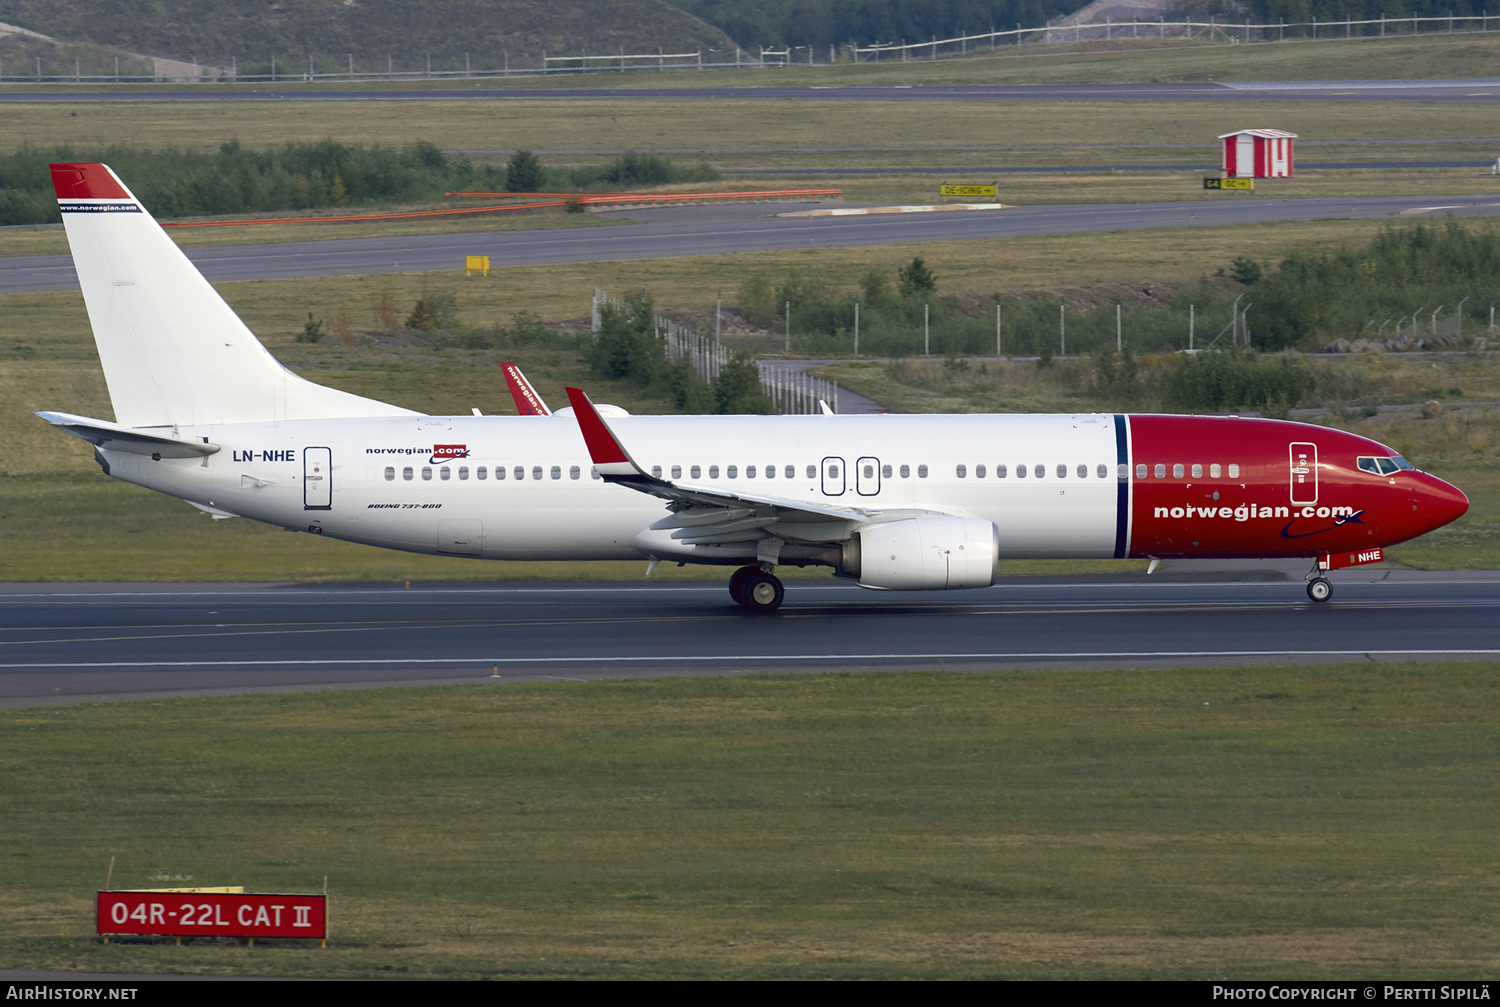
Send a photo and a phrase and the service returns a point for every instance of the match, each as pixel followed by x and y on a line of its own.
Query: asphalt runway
pixel 1447 91
pixel 664 232
pixel 79 642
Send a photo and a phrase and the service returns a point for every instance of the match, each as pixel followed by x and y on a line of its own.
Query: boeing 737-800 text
pixel 205 413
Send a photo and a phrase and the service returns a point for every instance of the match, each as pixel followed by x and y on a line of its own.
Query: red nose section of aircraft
pixel 1229 486
pixel 1438 502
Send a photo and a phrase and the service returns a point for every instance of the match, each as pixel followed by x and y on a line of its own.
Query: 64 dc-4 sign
pixel 204 914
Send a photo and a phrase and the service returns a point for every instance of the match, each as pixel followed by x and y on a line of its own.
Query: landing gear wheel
pixel 760 592
pixel 737 582
pixel 1319 589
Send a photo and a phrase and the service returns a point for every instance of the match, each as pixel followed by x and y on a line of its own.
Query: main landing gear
pixel 1319 588
pixel 756 589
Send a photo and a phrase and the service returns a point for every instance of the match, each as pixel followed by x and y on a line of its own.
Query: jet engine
pixel 935 553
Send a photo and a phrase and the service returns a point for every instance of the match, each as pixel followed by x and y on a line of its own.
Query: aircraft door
pixel 1304 472
pixel 833 477
pixel 317 478
pixel 867 476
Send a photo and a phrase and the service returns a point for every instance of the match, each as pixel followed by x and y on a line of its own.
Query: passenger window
pixel 921 471
pixel 406 473
pixel 791 472
pixel 463 472
pixel 749 471
pixel 1197 471
pixel 833 471
pixel 573 472
pixel 1062 472
pixel 733 472
pixel 906 472
pixel 962 471
pixel 520 473
pixel 1177 471
pixel 446 473
pixel 1161 471
pixel 556 472
pixel 1083 472
pixel 1000 471
pixel 427 474
pixel 482 473
pixel 978 471
pixel 885 471
pixel 1020 471
pixel 1039 471
pixel 1234 471
pixel 1214 471
pixel 499 473
pixel 594 473
pixel 390 474
pixel 676 471
pixel 656 471
pixel 812 472
pixel 696 472
pixel 1104 472
pixel 869 472
pixel 1140 471
pixel 713 471
pixel 770 471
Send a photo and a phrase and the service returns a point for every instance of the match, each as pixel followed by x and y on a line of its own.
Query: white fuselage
pixel 415 483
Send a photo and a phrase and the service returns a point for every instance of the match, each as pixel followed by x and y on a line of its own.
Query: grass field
pixel 1326 822
pixel 664 123
pixel 1442 56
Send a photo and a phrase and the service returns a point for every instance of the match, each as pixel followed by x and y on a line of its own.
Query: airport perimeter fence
pixel 328 68
pixel 707 355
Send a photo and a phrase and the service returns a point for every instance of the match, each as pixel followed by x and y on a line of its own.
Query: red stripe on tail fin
pixel 86 181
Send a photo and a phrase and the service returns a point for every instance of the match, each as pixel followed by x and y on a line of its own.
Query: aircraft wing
pixel 528 402
pixel 711 515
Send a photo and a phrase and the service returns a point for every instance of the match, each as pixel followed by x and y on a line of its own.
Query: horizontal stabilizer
pixel 113 437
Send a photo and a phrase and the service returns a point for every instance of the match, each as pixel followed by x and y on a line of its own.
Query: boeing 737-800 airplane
pixel 205 413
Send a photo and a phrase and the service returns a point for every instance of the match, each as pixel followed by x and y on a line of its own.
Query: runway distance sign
pixel 968 190
pixel 202 914
pixel 1229 183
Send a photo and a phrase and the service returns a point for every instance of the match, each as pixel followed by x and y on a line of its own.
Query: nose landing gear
pixel 756 589
pixel 1319 588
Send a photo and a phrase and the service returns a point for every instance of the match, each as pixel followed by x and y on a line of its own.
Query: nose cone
pixel 1441 502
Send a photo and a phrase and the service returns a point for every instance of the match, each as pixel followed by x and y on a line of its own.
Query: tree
pixel 626 345
pixel 312 332
pixel 916 279
pixel 738 388
pixel 1245 270
pixel 523 173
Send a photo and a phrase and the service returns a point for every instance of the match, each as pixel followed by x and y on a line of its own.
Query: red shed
pixel 1258 153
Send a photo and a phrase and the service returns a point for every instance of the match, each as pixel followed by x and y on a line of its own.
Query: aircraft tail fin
pixel 173 351
pixel 528 402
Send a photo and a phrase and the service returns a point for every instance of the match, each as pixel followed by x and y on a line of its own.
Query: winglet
pixel 528 402
pixel 610 457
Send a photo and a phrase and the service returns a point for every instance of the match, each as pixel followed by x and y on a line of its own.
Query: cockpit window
pixel 1385 466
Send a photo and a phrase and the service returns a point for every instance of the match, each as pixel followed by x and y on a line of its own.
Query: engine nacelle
pixel 927 554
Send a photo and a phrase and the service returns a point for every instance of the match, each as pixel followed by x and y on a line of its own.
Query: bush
pixel 523 173
pixel 1234 379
